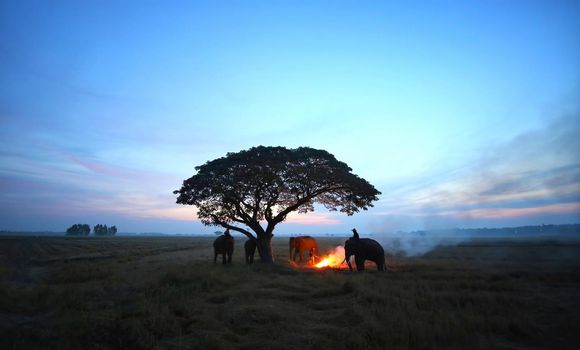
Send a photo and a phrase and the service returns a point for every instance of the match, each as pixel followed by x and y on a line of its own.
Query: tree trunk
pixel 265 249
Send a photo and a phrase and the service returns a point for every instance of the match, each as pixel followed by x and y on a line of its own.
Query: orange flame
pixel 333 259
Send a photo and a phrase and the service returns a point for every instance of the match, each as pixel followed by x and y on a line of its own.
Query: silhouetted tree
pixel 268 183
pixel 112 231
pixel 100 230
pixel 78 230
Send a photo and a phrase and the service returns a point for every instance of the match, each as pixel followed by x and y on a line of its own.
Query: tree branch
pixel 235 228
pixel 281 215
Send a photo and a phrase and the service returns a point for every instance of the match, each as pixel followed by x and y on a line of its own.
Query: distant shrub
pixel 78 230
pixel 103 230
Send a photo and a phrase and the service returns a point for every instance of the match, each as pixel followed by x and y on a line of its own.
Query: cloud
pixel 66 184
pixel 535 174
pixel 152 211
pixel 100 167
pixel 503 213
pixel 311 219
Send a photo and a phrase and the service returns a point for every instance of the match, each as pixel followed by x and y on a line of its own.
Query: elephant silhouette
pixel 364 249
pixel 250 249
pixel 224 245
pixel 301 244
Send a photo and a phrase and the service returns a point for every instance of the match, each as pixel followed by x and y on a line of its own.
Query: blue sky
pixel 463 114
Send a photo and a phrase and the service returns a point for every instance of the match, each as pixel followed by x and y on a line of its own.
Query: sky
pixel 462 113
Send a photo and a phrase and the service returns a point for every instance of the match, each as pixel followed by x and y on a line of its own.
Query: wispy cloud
pixel 536 173
pixel 62 183
pixel 312 219
pixel 162 208
pixel 99 167
pixel 505 213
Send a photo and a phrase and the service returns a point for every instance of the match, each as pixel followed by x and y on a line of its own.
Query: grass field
pixel 166 292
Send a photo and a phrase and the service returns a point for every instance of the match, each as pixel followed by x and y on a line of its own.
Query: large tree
pixel 255 189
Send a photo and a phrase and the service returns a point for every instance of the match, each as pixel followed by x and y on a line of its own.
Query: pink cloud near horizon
pixel 311 219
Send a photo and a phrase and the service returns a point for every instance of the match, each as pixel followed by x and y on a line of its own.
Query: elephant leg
pixel 382 266
pixel 224 258
pixel 230 257
pixel 215 257
pixel 360 263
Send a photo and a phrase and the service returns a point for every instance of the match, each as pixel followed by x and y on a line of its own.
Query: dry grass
pixel 136 293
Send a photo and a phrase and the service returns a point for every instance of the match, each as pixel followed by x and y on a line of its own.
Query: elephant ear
pixel 350 244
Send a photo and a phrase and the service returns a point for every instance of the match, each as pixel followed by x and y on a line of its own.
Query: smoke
pixel 532 179
pixel 418 243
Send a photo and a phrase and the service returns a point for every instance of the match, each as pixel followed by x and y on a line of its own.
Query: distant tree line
pixel 530 230
pixel 85 230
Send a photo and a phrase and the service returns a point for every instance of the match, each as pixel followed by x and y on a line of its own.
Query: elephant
pixel 250 248
pixel 364 249
pixel 302 244
pixel 224 245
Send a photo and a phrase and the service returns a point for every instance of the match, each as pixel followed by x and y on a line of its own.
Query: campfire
pixel 333 259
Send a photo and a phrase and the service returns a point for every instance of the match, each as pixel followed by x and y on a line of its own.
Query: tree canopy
pixel 103 230
pixel 265 184
pixel 78 230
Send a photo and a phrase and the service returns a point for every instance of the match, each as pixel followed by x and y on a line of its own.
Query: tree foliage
pixel 265 184
pixel 103 230
pixel 78 230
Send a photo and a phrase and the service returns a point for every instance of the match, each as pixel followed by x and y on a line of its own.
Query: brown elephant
pixel 224 244
pixel 302 244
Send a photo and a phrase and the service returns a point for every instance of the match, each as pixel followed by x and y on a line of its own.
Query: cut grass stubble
pixel 176 298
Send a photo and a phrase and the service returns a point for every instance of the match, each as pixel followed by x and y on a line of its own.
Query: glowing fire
pixel 333 259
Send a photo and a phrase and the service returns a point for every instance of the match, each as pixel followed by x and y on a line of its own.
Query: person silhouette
pixel 355 234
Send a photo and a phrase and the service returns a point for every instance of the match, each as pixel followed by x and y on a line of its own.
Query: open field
pixel 165 292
